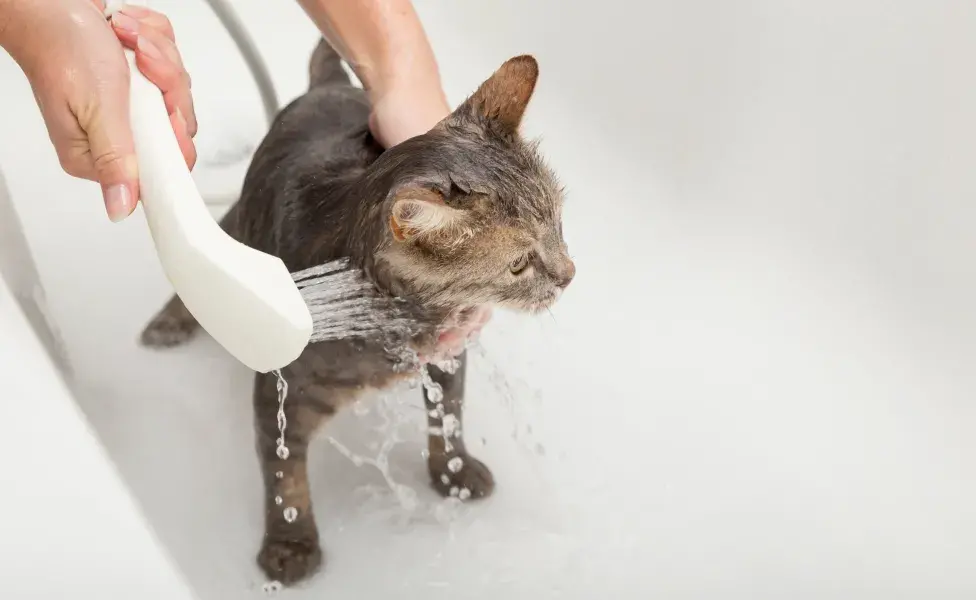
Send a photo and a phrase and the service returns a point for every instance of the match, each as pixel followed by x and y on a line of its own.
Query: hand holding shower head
pixel 244 298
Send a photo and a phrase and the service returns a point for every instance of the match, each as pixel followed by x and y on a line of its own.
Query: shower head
pixel 245 299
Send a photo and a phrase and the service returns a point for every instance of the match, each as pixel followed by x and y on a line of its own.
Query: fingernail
pixel 148 48
pixel 126 23
pixel 118 202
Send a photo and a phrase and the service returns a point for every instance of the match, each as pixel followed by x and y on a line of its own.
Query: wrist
pixel 401 72
pixel 25 25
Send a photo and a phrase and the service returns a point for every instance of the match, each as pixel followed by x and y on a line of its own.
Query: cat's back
pixel 318 140
pixel 325 126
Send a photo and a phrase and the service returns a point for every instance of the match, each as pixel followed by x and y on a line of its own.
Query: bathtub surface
pixel 761 384
pixel 68 522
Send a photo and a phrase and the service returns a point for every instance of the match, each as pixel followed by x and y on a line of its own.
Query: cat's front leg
pixel 290 551
pixel 453 471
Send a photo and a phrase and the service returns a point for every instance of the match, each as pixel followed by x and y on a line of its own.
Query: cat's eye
pixel 519 264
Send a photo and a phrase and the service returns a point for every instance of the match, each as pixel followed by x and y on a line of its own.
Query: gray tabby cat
pixel 464 215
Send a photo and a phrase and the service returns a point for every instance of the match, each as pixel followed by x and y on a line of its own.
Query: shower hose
pixel 252 58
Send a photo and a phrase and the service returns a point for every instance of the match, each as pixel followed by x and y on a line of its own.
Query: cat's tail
pixel 325 67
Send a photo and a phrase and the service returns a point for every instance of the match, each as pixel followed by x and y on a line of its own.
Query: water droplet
pixel 280 475
pixel 455 491
pixel 278 500
pixel 445 479
pixel 290 514
pixel 464 494
pixel 272 587
pixel 452 426
pixel 283 452
pixel 425 454
pixel 433 413
pixel 435 394
pixel 455 464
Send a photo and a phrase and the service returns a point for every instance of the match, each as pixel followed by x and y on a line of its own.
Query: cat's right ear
pixel 503 98
pixel 419 212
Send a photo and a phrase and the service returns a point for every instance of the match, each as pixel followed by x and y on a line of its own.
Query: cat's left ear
pixel 419 212
pixel 503 98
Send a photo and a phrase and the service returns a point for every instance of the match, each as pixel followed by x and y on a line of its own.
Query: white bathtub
pixel 761 384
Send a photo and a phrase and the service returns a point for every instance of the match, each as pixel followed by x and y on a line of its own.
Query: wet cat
pixel 464 215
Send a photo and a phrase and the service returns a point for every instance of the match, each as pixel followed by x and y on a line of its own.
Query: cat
pixel 465 215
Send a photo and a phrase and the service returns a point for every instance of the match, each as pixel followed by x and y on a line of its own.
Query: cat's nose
pixel 567 273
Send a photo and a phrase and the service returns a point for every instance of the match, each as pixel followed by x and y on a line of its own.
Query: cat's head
pixel 475 215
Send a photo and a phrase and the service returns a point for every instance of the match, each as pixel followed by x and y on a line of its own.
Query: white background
pixel 760 385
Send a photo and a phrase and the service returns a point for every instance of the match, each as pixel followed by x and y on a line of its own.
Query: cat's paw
pixel 290 561
pixel 469 479
pixel 167 331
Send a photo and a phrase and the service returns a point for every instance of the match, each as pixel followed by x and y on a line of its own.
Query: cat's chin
pixel 539 306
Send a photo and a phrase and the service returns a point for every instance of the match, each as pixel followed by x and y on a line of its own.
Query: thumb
pixel 113 152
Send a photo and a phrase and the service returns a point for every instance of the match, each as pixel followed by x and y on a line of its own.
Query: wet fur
pixel 438 219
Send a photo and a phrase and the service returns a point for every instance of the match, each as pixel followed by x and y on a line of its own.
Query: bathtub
pixel 761 384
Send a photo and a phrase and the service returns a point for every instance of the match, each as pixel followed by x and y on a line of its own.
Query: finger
pixel 112 151
pixel 150 18
pixel 450 338
pixel 76 158
pixel 159 60
pixel 184 139
pixel 484 316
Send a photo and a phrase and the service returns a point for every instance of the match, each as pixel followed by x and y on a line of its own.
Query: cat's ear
pixel 503 98
pixel 419 212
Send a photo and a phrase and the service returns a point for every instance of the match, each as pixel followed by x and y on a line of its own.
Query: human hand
pixel 460 327
pixel 77 69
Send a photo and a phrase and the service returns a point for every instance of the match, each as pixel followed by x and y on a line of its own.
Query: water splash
pixel 344 304
pixel 393 420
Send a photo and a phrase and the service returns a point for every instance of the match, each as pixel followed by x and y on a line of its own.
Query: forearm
pixel 11 15
pixel 382 40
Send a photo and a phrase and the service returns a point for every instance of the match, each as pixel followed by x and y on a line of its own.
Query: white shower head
pixel 246 299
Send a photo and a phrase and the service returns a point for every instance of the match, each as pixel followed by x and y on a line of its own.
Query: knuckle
pixel 107 160
pixel 165 26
